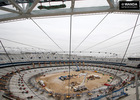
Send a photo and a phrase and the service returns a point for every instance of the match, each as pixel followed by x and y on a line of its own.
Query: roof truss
pixel 21 13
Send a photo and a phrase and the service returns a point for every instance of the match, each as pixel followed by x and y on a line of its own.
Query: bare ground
pixel 53 82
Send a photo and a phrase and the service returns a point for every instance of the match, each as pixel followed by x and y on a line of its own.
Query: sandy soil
pixel 54 84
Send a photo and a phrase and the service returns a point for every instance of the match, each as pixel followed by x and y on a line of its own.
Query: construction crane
pixel 82 86
pixel 77 68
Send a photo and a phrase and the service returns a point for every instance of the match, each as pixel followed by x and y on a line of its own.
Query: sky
pixel 117 25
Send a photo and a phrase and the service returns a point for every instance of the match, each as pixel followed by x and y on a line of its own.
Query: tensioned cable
pixel 92 31
pixel 135 44
pixel 47 35
pixel 21 43
pixel 16 70
pixel 128 45
pixel 110 38
pixel 119 43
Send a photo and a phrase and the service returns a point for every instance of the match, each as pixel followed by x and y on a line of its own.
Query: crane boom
pixel 84 80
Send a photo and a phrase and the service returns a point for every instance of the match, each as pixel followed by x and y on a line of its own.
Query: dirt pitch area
pixel 54 84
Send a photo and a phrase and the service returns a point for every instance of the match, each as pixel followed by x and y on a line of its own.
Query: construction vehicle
pixel 91 77
pixel 82 86
pixel 74 84
pixel 89 94
pixel 57 96
pixel 50 94
pixel 78 95
pixel 79 88
pixel 41 82
pixel 68 97
pixel 65 77
pixel 97 76
pixel 77 68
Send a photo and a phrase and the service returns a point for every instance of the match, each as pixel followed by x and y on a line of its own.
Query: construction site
pixel 69 49
pixel 84 78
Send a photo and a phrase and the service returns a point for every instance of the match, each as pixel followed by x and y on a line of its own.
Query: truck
pixel 62 78
pixel 65 77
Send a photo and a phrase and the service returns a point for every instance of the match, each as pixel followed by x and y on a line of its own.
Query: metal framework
pixel 28 12
pixel 22 12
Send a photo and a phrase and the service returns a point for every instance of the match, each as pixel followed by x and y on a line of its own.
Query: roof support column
pixel 111 3
pixel 16 5
pixel 29 9
pixel 72 4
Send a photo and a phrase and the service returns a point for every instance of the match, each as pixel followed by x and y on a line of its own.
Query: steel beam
pixel 27 7
pixel 32 6
pixel 66 11
pixel 72 4
pixel 111 3
pixel 15 5
pixel 9 10
pixel 57 12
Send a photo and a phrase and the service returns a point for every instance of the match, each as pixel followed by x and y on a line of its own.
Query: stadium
pixel 89 50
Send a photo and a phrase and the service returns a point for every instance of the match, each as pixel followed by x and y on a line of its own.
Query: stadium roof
pixel 96 26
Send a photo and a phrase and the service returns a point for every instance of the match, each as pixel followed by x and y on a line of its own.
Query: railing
pixel 115 95
pixel 58 61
